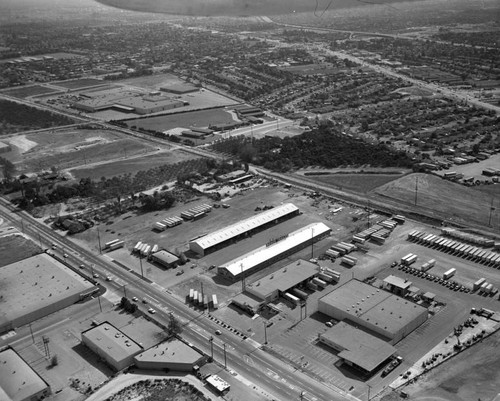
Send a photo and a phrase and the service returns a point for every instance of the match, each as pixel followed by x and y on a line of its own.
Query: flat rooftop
pixel 360 348
pixel 112 341
pixel 393 313
pixel 284 278
pixel 170 352
pixel 355 297
pixel 397 282
pixel 245 225
pixel 264 253
pixel 35 283
pixel 17 380
pixel 376 307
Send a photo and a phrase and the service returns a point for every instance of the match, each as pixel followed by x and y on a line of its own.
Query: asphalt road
pixel 242 356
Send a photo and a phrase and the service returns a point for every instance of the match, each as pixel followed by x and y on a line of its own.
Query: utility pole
pixel 211 341
pixel 140 261
pixel 242 278
pixel 32 336
pixel 125 290
pixel 312 242
pixel 265 333
pixel 99 240
pixel 369 390
pixel 99 300
pixel 491 212
pixel 225 357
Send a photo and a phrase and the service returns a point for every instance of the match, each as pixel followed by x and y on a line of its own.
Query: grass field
pixel 130 166
pixel 71 148
pixel 80 83
pixel 23 246
pixel 27 91
pixel 453 201
pixel 152 81
pixel 355 182
pixel 183 120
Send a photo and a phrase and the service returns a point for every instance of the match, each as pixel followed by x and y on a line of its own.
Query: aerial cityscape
pixel 245 200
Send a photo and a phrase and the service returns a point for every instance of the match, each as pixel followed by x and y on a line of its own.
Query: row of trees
pixel 36 193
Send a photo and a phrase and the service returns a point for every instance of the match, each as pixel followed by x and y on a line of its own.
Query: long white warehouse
pixel 268 254
pixel 222 237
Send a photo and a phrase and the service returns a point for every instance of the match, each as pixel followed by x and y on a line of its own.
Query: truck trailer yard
pixel 291 330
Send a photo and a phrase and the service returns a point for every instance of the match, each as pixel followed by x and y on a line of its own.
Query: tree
pixel 174 326
pixel 54 361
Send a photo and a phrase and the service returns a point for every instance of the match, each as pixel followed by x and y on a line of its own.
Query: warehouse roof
pixel 244 226
pixel 360 348
pixel 267 252
pixel 284 279
pixel 174 351
pixel 17 380
pixel 376 307
pixel 165 257
pixel 355 297
pixel 393 313
pixel 398 282
pixel 35 283
pixel 112 341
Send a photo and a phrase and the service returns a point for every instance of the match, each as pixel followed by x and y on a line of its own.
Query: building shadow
pixel 86 353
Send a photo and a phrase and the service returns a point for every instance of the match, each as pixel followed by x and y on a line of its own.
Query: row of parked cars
pixel 452 285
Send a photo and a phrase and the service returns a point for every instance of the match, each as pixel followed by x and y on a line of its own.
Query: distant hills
pixel 237 7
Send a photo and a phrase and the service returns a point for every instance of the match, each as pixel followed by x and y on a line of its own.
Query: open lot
pixel 27 91
pixel 130 165
pixel 80 83
pixel 15 240
pixel 200 119
pixel 152 82
pixel 474 374
pixel 355 182
pixel 70 148
pixel 454 201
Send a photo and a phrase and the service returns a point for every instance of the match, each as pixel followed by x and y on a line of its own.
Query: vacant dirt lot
pixel 434 195
pixel 472 375
pixel 200 119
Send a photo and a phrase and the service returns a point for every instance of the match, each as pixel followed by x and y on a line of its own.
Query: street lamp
pixel 265 333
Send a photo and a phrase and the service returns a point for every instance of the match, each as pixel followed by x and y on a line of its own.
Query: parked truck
pixel 449 274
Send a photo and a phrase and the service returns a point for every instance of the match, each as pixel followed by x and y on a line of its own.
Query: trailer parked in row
pixel 449 274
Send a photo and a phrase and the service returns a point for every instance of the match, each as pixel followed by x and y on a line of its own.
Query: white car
pixel 152 311
pixel 95 275
pixel 65 255
pixel 135 299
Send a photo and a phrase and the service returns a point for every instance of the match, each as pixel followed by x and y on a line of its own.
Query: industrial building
pixel 220 238
pixel 36 287
pixel 18 382
pixel 273 251
pixel 376 310
pixel 127 102
pixel 165 258
pixel 357 348
pixel 397 285
pixel 172 355
pixel 272 286
pixel 114 347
